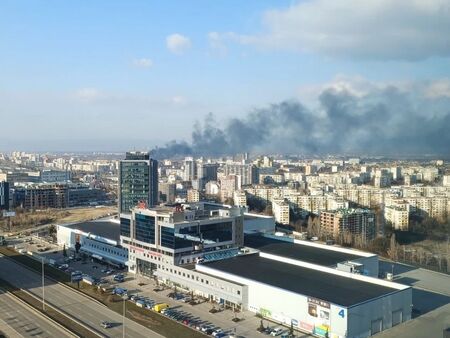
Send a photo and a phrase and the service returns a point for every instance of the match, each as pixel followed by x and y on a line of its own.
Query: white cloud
pixel 358 86
pixel 179 100
pixel 178 43
pixel 370 29
pixel 217 44
pixel 87 94
pixel 143 63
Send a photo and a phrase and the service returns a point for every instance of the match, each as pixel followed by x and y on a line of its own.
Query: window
pixel 145 228
pixel 238 292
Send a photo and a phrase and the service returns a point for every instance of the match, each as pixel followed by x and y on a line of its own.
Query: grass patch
pixel 49 312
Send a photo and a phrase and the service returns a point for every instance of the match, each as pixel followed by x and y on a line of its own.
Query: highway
pixel 81 307
pixel 24 322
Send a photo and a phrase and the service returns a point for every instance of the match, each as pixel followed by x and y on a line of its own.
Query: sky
pixel 115 75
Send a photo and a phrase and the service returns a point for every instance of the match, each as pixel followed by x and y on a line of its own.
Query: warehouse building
pixel 318 300
pixel 336 257
pixel 99 239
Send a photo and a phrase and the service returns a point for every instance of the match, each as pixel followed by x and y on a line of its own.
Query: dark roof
pixel 300 252
pixel 308 282
pixel 105 229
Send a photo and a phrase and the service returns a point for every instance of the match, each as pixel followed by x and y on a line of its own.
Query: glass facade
pixel 145 228
pixel 138 181
pixel 186 237
pixel 125 226
pixel 219 232
pixel 174 241
pixel 4 195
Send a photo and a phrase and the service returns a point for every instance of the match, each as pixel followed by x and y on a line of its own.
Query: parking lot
pixel 203 316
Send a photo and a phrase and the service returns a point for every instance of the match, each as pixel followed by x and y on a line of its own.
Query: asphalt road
pixel 24 322
pixel 83 308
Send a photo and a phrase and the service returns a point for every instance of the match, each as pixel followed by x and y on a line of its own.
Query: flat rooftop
pixel 305 253
pixel 108 229
pixel 339 290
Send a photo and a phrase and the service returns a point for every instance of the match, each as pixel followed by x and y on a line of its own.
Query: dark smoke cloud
pixel 383 121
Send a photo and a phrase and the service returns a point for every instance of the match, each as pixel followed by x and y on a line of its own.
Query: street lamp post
pixel 123 317
pixel 43 284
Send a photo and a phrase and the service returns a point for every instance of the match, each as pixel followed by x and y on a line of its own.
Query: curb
pixel 40 314
pixel 67 315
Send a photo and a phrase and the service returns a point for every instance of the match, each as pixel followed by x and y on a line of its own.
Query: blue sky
pixel 100 66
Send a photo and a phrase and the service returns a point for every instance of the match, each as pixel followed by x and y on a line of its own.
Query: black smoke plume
pixel 383 122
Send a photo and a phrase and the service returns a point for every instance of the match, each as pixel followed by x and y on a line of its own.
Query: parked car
pixel 217 331
pixel 207 327
pixel 268 330
pixel 120 291
pixel 160 306
pixel 276 331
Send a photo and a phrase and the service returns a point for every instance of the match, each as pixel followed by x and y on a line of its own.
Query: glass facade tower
pixel 138 181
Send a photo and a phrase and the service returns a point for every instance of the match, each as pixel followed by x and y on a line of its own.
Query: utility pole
pixel 43 284
pixel 123 317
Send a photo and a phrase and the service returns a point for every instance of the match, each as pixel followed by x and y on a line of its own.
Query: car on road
pixel 105 324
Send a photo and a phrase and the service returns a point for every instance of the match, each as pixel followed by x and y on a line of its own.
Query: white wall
pixel 361 316
pixel 283 305
pixel 93 245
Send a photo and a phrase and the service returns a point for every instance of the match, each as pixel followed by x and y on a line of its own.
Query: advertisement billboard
pixel 319 316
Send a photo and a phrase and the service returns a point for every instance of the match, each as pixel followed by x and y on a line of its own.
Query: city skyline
pixel 112 77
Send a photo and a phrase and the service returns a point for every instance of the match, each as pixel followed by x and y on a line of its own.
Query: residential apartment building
pixel 280 209
pixel 228 185
pixel 356 221
pixel 247 172
pixel 240 198
pixel 397 216
pixel 193 196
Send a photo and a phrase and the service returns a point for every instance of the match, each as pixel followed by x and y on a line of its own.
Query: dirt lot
pixel 31 219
